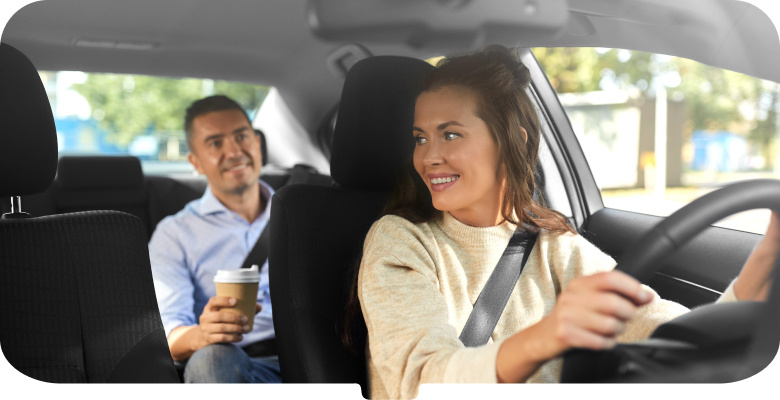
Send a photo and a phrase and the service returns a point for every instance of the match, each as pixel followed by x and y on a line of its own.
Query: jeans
pixel 227 363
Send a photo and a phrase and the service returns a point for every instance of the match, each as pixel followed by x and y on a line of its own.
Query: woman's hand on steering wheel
pixel 593 310
pixel 590 313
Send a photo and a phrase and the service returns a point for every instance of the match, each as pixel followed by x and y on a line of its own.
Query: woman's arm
pixel 409 315
pixel 754 280
pixel 590 313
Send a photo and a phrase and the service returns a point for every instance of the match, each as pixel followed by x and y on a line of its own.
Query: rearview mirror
pixel 440 23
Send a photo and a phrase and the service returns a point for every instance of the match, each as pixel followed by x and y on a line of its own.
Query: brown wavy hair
pixel 499 82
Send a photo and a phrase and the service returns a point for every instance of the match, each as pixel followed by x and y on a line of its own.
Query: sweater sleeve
pixel 410 338
pixel 578 257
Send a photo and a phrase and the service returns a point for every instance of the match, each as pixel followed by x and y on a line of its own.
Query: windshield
pixel 661 131
pixel 142 116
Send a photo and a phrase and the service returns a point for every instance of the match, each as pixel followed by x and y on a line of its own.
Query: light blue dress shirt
pixel 187 249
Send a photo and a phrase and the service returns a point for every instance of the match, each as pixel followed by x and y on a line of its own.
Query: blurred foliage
pixel 716 99
pixel 126 106
pixel 574 69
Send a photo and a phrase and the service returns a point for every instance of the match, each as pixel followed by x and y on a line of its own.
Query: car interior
pixel 83 321
pixel 334 131
pixel 317 249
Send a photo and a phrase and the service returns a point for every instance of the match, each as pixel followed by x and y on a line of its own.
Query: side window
pixel 554 191
pixel 660 131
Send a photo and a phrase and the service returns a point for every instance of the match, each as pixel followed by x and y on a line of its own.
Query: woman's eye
pixel 420 140
pixel 451 135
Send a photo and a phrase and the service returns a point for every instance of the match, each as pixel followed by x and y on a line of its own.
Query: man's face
pixel 224 147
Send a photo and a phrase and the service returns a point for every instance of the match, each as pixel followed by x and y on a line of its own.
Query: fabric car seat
pixel 85 183
pixel 317 232
pixel 77 300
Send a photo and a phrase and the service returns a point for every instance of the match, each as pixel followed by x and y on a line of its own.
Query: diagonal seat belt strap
pixel 494 296
pixel 259 252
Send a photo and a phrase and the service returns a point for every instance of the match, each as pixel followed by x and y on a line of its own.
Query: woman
pixel 424 264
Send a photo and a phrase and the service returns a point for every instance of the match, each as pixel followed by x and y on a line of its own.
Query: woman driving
pixel 471 183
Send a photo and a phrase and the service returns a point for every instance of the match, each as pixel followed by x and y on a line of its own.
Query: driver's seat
pixel 317 232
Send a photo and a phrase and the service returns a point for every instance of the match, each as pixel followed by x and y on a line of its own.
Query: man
pixel 216 232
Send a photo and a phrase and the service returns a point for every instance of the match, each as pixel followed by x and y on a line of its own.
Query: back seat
pixel 117 183
pixel 87 183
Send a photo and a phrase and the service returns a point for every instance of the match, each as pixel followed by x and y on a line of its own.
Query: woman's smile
pixel 442 182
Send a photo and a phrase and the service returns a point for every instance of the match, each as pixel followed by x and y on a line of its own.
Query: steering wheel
pixel 750 325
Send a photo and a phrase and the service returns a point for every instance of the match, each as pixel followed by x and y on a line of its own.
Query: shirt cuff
pixel 728 294
pixel 173 325
pixel 474 364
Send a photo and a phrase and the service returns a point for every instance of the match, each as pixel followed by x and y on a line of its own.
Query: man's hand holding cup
pixel 230 314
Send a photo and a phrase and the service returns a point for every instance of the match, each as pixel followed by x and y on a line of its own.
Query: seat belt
pixel 257 256
pixel 492 300
pixel 300 174
pixel 259 253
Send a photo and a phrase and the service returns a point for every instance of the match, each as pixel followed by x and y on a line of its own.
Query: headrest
pixel 99 172
pixel 263 147
pixel 373 134
pixel 28 153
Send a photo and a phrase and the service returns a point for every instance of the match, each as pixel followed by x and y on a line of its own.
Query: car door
pixel 694 275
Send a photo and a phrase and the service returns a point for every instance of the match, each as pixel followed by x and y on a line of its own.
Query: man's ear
pixel 193 159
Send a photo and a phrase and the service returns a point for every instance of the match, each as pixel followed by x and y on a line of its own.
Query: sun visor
pixel 435 23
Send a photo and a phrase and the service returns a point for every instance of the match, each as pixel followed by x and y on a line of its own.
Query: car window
pixel 119 114
pixel 721 127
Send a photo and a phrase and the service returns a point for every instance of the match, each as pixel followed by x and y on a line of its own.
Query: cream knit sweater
pixel 418 284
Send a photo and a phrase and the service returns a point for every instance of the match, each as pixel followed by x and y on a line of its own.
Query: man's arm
pixel 215 326
pixel 172 281
pixel 175 291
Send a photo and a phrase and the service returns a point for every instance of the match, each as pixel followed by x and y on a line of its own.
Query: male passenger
pixel 215 232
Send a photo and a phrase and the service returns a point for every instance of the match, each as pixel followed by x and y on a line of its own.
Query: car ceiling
pixel 270 41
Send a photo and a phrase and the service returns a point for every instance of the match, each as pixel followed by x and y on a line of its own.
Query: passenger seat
pixel 77 299
pixel 85 183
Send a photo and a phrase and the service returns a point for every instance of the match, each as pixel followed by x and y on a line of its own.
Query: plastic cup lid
pixel 241 275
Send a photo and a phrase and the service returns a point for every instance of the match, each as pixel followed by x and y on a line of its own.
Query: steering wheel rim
pixel 649 253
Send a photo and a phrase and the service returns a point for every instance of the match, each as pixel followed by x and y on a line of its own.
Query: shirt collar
pixel 209 204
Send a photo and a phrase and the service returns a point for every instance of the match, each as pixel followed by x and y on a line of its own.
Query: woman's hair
pixel 498 81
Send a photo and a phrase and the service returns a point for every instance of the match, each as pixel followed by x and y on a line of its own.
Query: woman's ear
pixel 525 134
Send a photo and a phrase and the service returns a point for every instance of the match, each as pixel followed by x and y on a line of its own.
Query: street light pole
pixel 661 118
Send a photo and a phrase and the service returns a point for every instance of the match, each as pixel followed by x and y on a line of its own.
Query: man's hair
pixel 206 105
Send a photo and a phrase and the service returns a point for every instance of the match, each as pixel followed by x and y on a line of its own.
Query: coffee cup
pixel 240 284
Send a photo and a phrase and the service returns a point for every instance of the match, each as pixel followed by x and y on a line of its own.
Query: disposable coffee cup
pixel 242 285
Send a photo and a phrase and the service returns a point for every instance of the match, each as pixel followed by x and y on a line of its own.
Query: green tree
pixel 126 106
pixel 765 131
pixel 580 69
pixel 570 69
pixel 716 99
pixel 714 95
